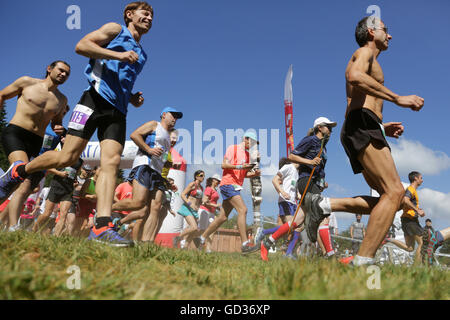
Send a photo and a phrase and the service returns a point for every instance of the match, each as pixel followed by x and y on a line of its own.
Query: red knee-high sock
pixel 324 233
pixel 283 230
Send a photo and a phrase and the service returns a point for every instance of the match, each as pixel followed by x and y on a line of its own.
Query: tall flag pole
pixel 288 111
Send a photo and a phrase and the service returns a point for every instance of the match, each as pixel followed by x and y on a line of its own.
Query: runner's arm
pixel 14 89
pixel 357 75
pixel 138 137
pixel 276 181
pixel 409 205
pixel 92 44
pixel 186 191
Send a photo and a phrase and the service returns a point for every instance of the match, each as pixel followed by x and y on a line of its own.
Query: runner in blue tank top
pixel 116 58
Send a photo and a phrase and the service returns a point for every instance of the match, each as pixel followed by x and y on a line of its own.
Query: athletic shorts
pixel 185 211
pixel 205 219
pixel 312 188
pixel 148 178
pixel 361 126
pixel 15 138
pixel 228 191
pixel 110 122
pixel 56 195
pixel 287 208
pixel 411 227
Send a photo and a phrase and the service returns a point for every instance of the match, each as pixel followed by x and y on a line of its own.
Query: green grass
pixel 34 267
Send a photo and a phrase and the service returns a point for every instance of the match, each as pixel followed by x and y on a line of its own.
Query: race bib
pixel 48 142
pixel 80 116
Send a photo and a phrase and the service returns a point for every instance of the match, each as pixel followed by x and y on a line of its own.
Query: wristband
pixel 238 167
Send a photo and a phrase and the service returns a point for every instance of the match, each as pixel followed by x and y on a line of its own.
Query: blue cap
pixel 173 111
pixel 251 135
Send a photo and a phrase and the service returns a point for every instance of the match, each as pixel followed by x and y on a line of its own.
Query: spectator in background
pixel 357 232
pixel 428 225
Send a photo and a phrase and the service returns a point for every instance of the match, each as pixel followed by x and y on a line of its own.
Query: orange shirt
pixel 124 191
pixel 236 155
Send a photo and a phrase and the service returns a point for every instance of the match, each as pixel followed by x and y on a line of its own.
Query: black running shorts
pixel 15 138
pixel 361 126
pixel 97 113
pixel 411 227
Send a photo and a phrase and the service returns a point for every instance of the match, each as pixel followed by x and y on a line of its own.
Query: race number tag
pixel 48 142
pixel 80 116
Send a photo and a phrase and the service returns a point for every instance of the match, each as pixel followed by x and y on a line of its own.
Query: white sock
pixel 202 240
pixel 325 205
pixel 272 239
pixel 245 243
pixel 359 261
pixel 182 243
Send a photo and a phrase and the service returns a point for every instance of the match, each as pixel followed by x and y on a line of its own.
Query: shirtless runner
pixel 39 102
pixel 363 137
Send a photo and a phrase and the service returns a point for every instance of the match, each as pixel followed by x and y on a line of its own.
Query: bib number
pixel 80 116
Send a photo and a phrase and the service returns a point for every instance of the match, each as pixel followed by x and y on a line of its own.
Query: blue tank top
pixel 114 79
pixel 51 140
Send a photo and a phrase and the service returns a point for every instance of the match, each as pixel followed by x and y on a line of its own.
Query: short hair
pixel 283 161
pixel 361 32
pixel 53 64
pixel 428 220
pixel 413 175
pixel 136 6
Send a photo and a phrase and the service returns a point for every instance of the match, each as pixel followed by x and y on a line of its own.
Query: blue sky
pixel 224 63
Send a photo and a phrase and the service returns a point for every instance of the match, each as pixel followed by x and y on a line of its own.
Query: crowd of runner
pixel 82 201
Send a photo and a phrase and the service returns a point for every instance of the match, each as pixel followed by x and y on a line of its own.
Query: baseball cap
pixel 251 135
pixel 323 120
pixel 87 167
pixel 217 177
pixel 177 114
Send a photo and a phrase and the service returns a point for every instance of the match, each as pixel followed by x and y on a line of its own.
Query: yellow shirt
pixel 411 193
pixel 167 166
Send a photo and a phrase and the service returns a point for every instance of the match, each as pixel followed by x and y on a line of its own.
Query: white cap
pixel 217 177
pixel 323 120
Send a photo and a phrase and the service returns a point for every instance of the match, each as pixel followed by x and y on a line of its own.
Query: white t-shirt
pixel 289 176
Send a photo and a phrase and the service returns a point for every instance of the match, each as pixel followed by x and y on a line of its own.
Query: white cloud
pixel 435 204
pixel 414 156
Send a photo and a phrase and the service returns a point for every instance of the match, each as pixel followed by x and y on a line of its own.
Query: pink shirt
pixel 213 196
pixel 236 155
pixel 124 191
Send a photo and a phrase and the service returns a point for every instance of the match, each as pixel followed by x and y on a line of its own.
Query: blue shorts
pixel 148 178
pixel 287 208
pixel 186 211
pixel 228 191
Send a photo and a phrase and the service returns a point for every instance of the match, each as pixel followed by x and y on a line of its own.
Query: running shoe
pixel 265 246
pixel 249 248
pixel 346 260
pixel 259 235
pixel 108 235
pixel 290 256
pixel 429 245
pixel 313 215
pixel 10 179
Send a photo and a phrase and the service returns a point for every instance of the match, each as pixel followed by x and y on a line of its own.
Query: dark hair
pixel 136 6
pixel 428 220
pixel 413 175
pixel 53 64
pixel 361 32
pixel 283 161
pixel 209 182
pixel 197 173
